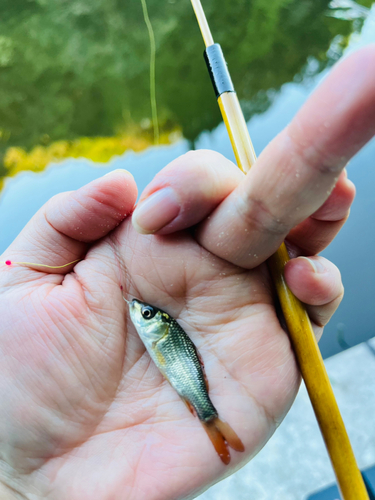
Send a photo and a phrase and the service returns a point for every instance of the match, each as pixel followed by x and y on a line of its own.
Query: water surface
pixel 83 71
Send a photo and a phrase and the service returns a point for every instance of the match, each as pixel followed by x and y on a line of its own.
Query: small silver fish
pixel 178 360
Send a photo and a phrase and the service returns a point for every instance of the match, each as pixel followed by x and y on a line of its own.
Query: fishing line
pixel 155 123
pixel 151 36
pixel 11 263
pixel 118 260
pixel 121 267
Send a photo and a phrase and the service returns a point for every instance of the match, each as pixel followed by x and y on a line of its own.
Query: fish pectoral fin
pixel 190 407
pixel 221 435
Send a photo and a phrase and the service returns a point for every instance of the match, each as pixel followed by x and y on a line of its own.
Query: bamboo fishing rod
pixel 305 346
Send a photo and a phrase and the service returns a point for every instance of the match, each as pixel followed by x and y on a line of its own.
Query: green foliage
pixel 76 68
pixel 365 3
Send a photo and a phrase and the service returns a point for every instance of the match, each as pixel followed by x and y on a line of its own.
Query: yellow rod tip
pixel 203 24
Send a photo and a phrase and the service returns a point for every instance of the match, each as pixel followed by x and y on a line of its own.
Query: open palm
pixel 92 416
pixel 85 414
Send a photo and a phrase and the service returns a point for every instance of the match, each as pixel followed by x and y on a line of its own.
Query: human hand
pixel 84 412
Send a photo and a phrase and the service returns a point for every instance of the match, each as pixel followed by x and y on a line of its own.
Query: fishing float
pixel 309 358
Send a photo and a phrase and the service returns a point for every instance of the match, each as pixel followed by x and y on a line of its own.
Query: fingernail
pixel 350 183
pixel 156 211
pixel 316 265
pixel 118 170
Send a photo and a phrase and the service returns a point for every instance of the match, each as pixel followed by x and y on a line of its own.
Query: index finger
pixel 297 171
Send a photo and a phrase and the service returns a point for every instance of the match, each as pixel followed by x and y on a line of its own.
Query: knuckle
pixel 203 170
pixel 317 158
pixel 54 198
pixel 53 202
pixel 196 163
pixel 202 156
pixel 258 215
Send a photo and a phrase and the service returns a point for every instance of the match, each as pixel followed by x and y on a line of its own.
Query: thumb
pixel 62 230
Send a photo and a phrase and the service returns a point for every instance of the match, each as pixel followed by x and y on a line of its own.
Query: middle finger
pixel 296 173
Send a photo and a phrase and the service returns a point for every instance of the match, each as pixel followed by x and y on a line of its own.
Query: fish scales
pixel 183 370
pixel 178 360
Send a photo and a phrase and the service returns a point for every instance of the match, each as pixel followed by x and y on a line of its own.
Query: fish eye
pixel 148 312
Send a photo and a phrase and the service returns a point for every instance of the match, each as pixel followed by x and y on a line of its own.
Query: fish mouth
pixel 131 303
pixel 135 307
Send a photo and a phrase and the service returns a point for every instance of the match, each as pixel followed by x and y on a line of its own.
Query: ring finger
pixel 317 282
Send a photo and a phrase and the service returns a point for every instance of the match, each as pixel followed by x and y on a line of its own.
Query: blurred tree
pixel 74 68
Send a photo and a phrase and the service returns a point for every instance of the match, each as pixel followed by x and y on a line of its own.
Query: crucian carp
pixel 178 360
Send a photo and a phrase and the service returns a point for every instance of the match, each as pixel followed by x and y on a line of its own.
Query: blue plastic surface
pixel 332 493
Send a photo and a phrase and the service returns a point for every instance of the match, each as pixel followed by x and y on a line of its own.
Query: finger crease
pixel 316 158
pixel 258 215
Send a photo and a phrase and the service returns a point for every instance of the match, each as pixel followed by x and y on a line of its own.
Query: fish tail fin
pixel 229 435
pixel 221 435
pixel 217 439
